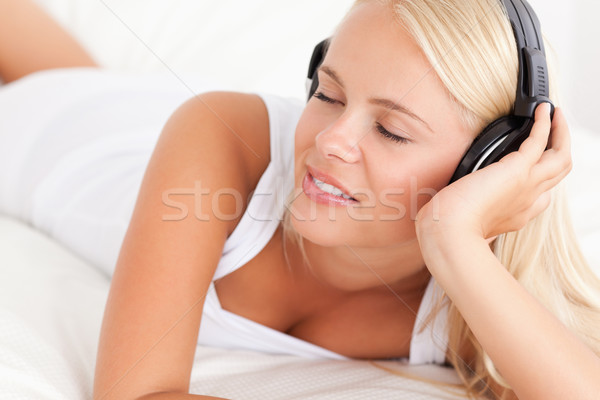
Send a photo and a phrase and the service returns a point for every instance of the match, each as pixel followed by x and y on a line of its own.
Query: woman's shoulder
pixel 260 127
pixel 242 123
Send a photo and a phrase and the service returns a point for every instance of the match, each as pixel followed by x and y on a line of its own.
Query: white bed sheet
pixel 51 306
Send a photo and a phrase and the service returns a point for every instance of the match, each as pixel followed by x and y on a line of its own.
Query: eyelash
pixel 322 97
pixel 384 132
pixel 389 135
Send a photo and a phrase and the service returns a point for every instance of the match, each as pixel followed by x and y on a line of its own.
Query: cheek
pixel 304 135
pixel 438 163
pixel 417 178
pixel 419 171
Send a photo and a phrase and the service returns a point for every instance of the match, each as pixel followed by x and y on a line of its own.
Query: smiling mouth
pixel 324 193
pixel 327 188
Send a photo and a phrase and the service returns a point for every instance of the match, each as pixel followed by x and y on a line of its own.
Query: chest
pixel 367 324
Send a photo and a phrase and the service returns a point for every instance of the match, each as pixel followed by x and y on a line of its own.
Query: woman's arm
pixel 534 351
pixel 536 354
pixel 174 243
pixel 30 41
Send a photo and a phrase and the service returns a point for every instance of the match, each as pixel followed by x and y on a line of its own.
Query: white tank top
pixel 112 152
pixel 221 328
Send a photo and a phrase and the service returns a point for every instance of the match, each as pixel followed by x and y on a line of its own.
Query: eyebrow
pixel 386 103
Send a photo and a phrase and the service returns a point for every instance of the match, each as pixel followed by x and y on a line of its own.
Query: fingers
pixel 534 146
pixel 560 138
pixel 555 163
pixel 540 204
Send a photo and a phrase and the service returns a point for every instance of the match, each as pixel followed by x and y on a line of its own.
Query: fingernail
pixel 546 107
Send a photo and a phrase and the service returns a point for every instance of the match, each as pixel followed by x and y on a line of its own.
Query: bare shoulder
pixel 238 121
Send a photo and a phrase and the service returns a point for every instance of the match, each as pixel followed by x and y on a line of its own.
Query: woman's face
pixel 383 126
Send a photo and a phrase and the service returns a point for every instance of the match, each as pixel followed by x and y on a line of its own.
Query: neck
pixel 350 269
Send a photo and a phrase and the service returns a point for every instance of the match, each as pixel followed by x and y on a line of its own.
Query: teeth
pixel 326 187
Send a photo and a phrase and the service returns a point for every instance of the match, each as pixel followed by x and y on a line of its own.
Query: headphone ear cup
pixel 311 86
pixel 499 138
pixel 312 80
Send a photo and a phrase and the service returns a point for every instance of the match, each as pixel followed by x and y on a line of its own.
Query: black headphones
pixel 505 134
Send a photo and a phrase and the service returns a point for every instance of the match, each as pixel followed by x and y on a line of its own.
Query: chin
pixel 338 226
pixel 324 233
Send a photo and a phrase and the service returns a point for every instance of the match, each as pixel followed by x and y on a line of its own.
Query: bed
pixel 52 300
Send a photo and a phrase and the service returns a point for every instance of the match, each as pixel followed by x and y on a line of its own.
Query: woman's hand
pixel 505 195
pixel 499 198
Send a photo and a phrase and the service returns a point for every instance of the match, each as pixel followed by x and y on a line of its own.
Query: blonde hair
pixel 471 46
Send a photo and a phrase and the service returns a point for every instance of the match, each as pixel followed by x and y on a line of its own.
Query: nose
pixel 341 140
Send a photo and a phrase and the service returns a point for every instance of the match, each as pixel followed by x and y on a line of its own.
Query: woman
pixel 353 273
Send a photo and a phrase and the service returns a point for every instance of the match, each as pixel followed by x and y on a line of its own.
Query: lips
pixel 316 194
pixel 323 177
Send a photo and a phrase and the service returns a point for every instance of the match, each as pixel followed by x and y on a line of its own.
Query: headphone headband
pixel 532 87
pixel 525 23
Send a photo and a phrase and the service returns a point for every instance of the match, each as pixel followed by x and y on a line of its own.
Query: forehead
pixel 370 29
pixel 374 55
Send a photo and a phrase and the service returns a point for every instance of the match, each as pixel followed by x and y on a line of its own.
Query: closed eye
pixel 389 135
pixel 384 132
pixel 322 97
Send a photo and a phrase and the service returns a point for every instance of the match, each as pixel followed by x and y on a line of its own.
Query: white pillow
pixel 259 45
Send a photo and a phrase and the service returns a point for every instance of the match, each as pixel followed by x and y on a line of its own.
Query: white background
pixel 265 45
pixel 573 29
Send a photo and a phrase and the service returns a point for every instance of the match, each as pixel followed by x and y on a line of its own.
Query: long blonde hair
pixel 471 46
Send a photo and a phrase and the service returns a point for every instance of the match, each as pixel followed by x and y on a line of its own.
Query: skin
pixel 31 41
pixel 340 138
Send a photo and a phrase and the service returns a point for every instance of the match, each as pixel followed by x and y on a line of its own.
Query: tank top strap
pixel 266 207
